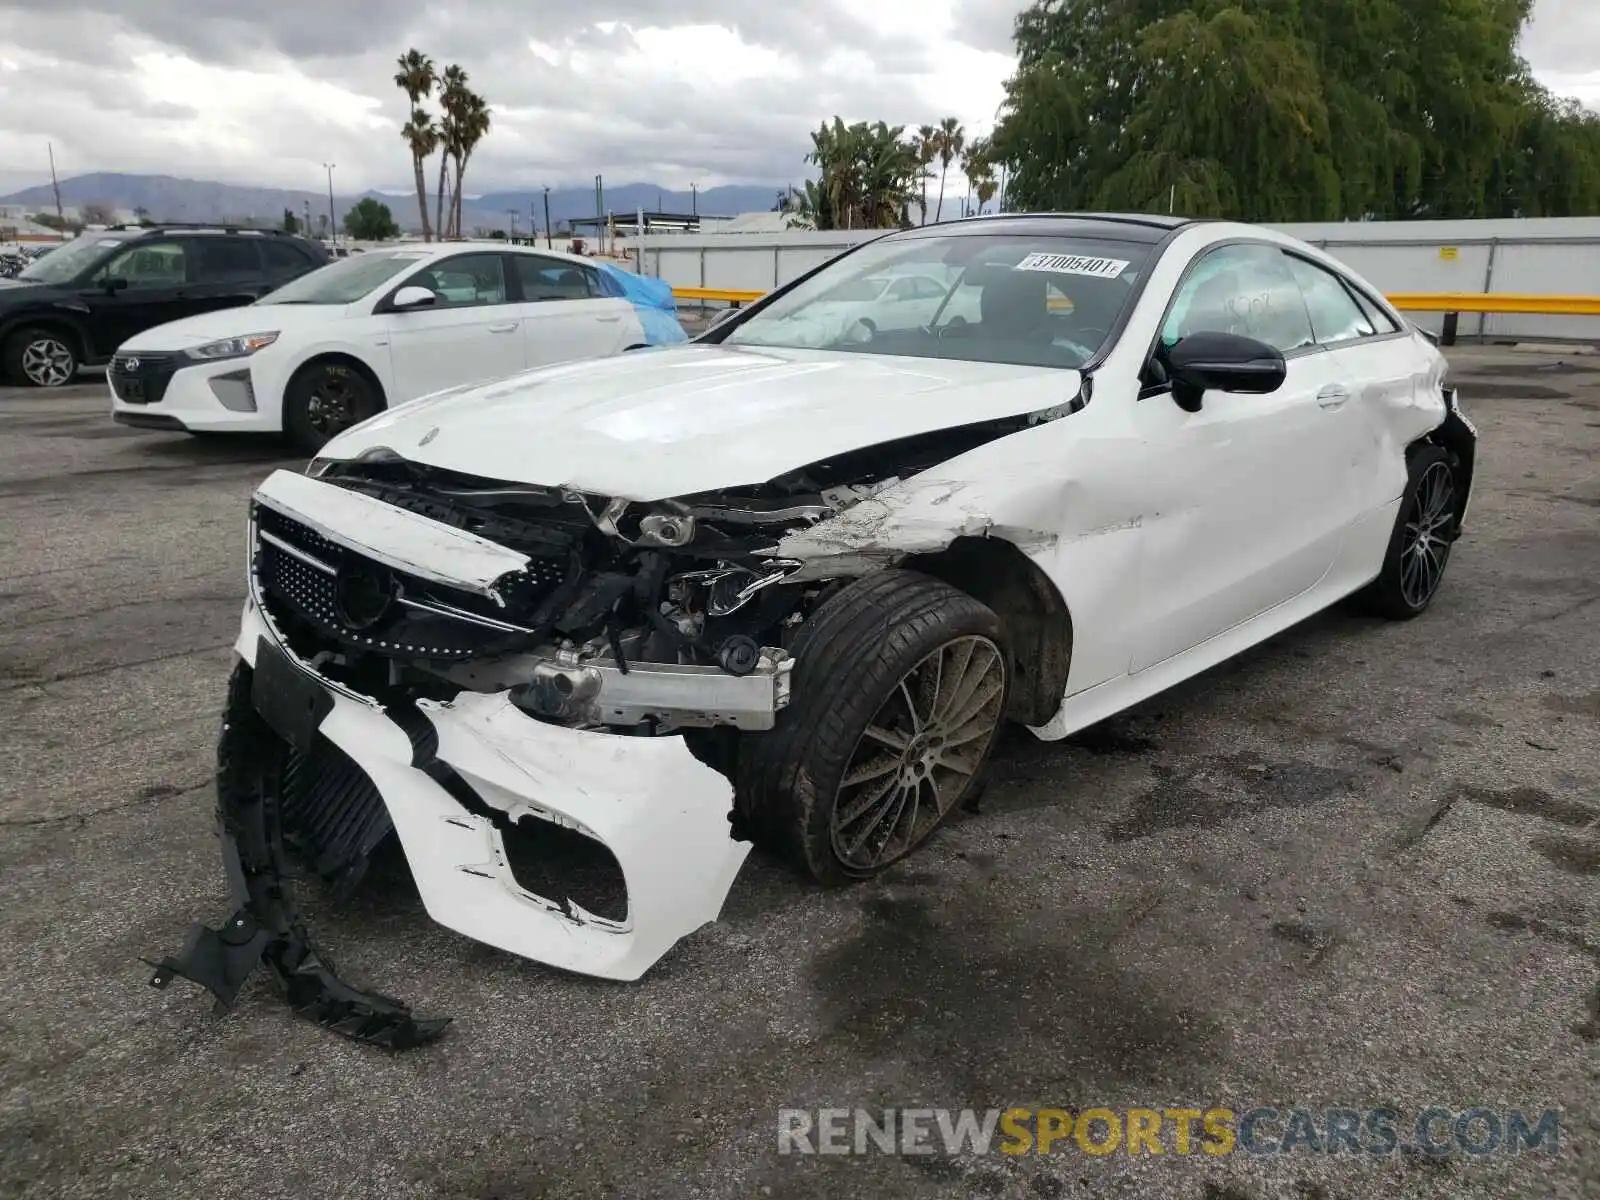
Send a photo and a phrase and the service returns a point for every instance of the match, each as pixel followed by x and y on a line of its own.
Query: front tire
pixel 323 400
pixel 41 358
pixel 1419 547
pixel 900 687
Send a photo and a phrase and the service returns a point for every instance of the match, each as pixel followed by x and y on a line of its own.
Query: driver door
pixel 472 333
pixel 1257 482
pixel 157 291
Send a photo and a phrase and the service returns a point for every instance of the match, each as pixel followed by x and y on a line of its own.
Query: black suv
pixel 75 306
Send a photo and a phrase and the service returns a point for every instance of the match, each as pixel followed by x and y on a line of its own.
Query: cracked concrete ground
pixel 1355 867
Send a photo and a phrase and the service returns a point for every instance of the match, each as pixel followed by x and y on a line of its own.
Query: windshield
pixel 854 290
pixel 347 280
pixel 65 263
pixel 1024 299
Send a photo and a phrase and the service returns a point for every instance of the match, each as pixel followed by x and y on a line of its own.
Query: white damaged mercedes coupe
pixel 783 584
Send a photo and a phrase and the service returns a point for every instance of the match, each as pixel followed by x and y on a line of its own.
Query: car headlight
pixel 234 347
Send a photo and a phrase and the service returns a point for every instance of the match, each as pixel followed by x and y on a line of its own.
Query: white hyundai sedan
pixel 375 330
pixel 755 590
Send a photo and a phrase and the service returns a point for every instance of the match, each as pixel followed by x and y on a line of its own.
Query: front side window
pixel 1335 316
pixel 1021 298
pixel 1247 290
pixel 148 264
pixel 346 280
pixel 551 279
pixel 464 281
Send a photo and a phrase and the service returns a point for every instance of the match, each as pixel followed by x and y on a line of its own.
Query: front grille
pixel 324 596
pixel 142 378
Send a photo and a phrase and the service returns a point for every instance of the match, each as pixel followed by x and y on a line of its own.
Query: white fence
pixel 1557 256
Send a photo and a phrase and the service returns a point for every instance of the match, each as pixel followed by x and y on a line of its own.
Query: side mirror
pixel 1222 362
pixel 411 297
pixel 116 284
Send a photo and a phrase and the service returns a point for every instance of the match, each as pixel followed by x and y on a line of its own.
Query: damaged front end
pixel 466 663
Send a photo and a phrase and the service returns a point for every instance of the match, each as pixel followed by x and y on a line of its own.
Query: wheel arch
pixel 325 358
pixel 1457 439
pixel 54 322
pixel 1037 621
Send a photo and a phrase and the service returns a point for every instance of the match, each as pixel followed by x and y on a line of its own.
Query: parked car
pixel 76 306
pixel 747 591
pixel 378 329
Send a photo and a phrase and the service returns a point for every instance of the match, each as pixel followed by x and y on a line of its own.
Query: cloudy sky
pixel 705 91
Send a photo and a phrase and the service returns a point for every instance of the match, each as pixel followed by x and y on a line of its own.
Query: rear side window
pixel 1381 321
pixel 284 259
pixel 552 279
pixel 1335 315
pixel 223 259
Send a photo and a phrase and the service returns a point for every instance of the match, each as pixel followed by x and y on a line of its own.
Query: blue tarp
pixel 652 299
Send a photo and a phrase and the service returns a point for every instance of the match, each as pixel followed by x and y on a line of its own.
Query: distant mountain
pixel 167 198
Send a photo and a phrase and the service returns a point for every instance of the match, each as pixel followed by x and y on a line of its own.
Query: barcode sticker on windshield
pixel 1074 264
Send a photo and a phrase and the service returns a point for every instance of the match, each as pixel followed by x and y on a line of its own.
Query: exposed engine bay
pixel 640 617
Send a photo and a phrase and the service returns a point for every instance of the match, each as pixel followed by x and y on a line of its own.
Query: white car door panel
pixel 1249 524
pixel 471 334
pixel 1266 483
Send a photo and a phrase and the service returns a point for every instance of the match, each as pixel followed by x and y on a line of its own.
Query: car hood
pixel 11 289
pixel 654 424
pixel 231 322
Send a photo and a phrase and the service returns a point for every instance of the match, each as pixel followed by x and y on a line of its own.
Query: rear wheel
pixel 1419 547
pixel 323 400
pixel 41 357
pixel 900 687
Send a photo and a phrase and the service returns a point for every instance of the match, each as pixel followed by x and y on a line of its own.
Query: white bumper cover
pixel 661 812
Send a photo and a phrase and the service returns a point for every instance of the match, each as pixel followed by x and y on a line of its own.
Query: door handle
pixel 1333 396
pixel 609 320
pixel 507 328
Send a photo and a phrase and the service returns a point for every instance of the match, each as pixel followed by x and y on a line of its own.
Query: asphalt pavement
pixel 1356 867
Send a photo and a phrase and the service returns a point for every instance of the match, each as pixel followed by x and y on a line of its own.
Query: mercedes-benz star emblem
pixel 130 364
pixel 364 593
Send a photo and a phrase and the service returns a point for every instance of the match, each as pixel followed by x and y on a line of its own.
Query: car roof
pixel 1148 228
pixel 479 245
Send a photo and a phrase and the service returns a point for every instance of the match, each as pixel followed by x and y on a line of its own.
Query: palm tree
pixel 416 79
pixel 977 164
pixel 472 126
pixel 927 151
pixel 452 99
pixel 422 135
pixel 952 140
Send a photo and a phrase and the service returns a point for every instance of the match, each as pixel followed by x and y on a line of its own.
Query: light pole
pixel 333 229
pixel 512 213
pixel 547 218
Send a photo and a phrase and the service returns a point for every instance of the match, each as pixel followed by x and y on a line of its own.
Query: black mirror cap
pixel 1225 362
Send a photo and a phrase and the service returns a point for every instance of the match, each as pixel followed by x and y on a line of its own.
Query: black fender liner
pixel 265 926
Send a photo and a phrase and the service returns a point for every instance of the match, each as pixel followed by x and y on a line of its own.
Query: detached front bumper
pixel 662 814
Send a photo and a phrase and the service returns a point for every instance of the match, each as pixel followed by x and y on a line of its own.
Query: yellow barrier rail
pixel 1497 302
pixel 1440 302
pixel 730 295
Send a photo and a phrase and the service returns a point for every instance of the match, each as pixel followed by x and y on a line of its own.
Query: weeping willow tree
pixel 1283 110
